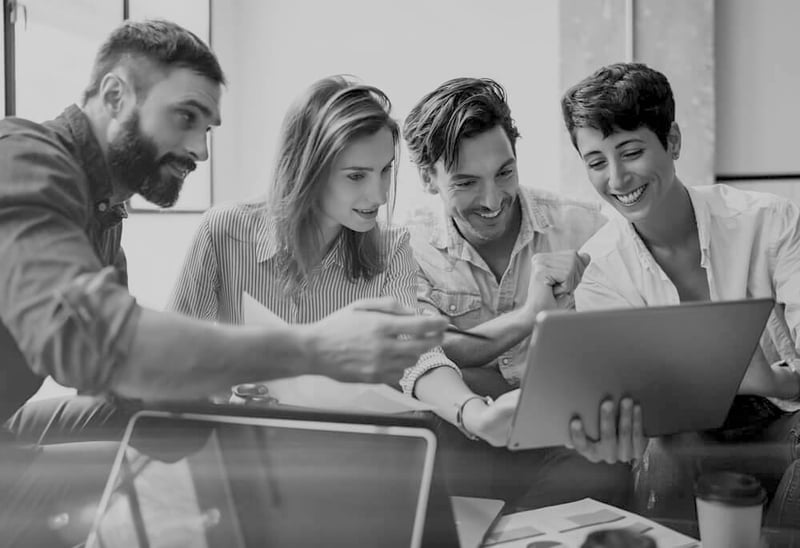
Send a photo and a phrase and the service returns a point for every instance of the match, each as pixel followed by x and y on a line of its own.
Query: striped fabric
pixel 233 251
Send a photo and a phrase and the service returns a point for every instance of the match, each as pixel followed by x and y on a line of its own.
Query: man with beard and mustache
pixel 498 255
pixel 65 310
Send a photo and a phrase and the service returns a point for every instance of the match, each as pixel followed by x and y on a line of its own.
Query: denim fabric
pixel 757 439
pixel 455 281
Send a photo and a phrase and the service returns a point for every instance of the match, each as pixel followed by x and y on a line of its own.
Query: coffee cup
pixel 729 509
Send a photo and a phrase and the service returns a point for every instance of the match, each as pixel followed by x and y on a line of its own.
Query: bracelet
pixel 460 415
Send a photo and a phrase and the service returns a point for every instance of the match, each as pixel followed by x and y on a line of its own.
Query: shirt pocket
pixel 463 309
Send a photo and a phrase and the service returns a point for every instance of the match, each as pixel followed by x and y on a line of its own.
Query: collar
pixel 702 216
pixel 445 235
pixel 93 162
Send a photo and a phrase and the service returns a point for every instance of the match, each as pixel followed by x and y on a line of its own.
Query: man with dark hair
pixel 65 310
pixel 673 244
pixel 498 255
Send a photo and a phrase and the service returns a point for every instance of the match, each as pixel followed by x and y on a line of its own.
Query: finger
pixel 625 430
pixel 585 259
pixel 410 348
pixel 561 289
pixel 608 431
pixel 579 442
pixel 420 327
pixel 639 439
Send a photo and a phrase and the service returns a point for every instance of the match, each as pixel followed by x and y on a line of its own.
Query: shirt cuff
pixel 427 362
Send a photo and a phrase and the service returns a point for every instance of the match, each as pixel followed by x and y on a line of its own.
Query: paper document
pixel 568 525
pixel 255 313
pixel 322 392
pixel 474 516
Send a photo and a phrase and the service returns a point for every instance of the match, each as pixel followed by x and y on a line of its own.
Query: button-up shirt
pixel 454 280
pixel 750 248
pixel 65 315
pixel 235 251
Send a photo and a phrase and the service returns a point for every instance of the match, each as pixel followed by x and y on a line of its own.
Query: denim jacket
pixel 454 280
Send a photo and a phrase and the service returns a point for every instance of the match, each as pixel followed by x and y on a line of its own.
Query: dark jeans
pixel 757 439
pixel 525 479
pixel 53 474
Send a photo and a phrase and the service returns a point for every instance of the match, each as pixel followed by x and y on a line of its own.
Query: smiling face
pixel 480 192
pixel 160 139
pixel 631 170
pixel 357 185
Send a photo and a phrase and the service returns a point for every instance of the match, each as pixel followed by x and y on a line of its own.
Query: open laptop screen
pixel 206 480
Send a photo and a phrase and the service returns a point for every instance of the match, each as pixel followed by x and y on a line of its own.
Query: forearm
pixel 175 357
pixel 443 388
pixel 505 331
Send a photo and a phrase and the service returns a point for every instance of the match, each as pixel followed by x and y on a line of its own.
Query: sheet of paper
pixel 323 392
pixel 474 516
pixel 255 313
pixel 568 525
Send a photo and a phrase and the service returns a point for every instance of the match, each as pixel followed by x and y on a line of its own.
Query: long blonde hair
pixel 317 128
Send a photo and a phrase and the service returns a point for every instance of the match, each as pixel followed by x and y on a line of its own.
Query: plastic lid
pixel 730 488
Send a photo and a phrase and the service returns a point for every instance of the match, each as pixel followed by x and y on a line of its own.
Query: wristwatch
pixel 460 414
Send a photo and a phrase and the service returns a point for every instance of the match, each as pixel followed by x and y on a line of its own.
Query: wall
pixel 757 81
pixel 405 48
pixel 674 37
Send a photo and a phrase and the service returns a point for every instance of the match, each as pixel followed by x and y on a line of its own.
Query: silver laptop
pixel 682 363
pixel 292 479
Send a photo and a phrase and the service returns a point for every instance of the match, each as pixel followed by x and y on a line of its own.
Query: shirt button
pixel 504 361
pixel 102 206
pixel 452 308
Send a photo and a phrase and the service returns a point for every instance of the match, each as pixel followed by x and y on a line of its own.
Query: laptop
pixel 230 476
pixel 682 363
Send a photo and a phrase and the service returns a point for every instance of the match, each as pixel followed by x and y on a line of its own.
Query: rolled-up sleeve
pixel 402 283
pixel 70 317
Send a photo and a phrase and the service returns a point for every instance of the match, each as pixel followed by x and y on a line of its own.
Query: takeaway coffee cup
pixel 729 508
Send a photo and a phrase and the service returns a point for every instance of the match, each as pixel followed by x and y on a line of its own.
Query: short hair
pixel 458 109
pixel 163 43
pixel 317 128
pixel 622 96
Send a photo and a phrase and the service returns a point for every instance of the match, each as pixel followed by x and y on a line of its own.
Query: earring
pixel 675 155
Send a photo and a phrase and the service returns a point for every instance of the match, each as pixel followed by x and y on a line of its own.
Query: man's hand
pixel 491 423
pixel 621 438
pixel 554 276
pixel 372 340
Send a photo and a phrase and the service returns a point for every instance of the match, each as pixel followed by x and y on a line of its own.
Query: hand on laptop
pixel 492 422
pixel 554 276
pixel 372 340
pixel 621 435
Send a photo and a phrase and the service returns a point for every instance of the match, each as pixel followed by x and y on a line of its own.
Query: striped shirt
pixel 234 250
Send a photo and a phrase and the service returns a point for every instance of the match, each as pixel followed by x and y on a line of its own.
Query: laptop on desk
pixel 230 476
pixel 682 363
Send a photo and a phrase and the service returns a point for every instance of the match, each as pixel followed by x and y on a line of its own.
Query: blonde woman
pixel 315 245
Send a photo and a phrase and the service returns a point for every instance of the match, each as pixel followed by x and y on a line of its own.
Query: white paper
pixel 568 525
pixel 255 313
pixel 322 392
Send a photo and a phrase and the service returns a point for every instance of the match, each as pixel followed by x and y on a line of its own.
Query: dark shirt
pixel 63 279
